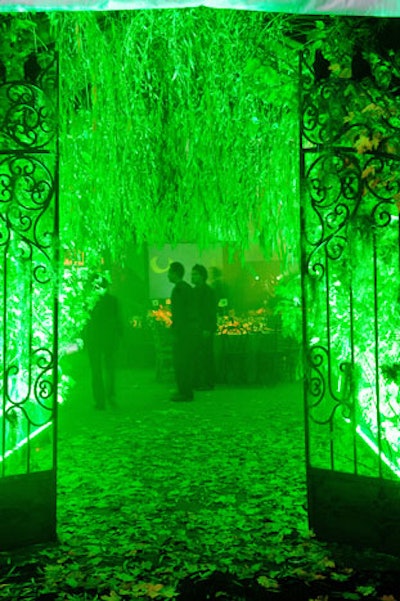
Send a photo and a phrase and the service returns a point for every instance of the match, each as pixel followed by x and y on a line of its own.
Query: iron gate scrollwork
pixel 28 285
pixel 350 182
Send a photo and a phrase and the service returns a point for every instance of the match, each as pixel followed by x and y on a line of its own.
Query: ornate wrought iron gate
pixel 350 172
pixel 28 298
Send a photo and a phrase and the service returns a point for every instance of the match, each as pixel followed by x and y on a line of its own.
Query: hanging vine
pixel 178 125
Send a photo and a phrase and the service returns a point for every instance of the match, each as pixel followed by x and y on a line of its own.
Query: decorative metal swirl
pixel 26 191
pixel 27 180
pixel 321 123
pixel 316 384
pixel 44 385
pixel 334 175
pixel 323 396
pixel 334 192
pixel 17 385
pixel 43 273
pixel 26 119
pixel 31 390
pixel 381 215
pixel 315 269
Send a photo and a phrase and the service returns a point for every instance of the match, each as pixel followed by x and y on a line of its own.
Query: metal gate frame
pixel 29 259
pixel 350 184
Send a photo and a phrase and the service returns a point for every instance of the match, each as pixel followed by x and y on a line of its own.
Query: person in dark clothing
pixel 184 331
pixel 101 339
pixel 206 303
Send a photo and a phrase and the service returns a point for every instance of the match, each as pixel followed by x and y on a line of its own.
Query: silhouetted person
pixel 206 303
pixel 101 338
pixel 184 330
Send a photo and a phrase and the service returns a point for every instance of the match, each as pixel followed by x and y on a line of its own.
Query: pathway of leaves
pixel 155 492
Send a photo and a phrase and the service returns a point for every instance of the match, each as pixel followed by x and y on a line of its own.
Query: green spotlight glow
pixel 375 449
pixel 24 441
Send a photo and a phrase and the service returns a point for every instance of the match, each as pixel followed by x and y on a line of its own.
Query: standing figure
pixel 206 303
pixel 101 338
pixel 184 330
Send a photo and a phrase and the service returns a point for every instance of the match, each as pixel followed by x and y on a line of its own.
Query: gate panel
pixel 28 296
pixel 350 172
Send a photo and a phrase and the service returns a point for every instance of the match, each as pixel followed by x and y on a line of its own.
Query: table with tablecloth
pixel 263 358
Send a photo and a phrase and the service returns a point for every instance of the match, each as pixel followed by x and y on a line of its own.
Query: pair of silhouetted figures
pixel 194 322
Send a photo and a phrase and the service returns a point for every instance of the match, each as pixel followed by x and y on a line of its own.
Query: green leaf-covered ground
pixel 155 498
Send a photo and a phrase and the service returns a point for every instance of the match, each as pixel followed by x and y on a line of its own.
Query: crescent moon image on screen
pixel 155 266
